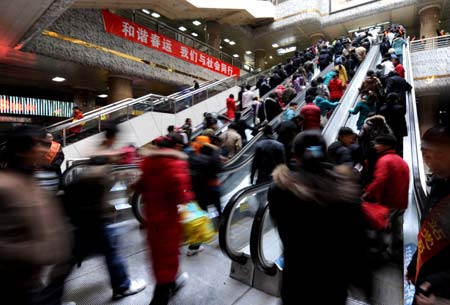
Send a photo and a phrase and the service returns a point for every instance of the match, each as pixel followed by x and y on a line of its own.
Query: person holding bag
pixel 165 183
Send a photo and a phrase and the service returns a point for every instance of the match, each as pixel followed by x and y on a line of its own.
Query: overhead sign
pixel 126 29
pixel 34 106
pixel 340 5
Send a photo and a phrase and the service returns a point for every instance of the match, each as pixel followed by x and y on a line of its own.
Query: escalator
pixel 246 234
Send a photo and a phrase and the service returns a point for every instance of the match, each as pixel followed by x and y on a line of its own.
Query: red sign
pixel 126 29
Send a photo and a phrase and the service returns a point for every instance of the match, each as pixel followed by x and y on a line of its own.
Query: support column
pixel 429 20
pixel 428 111
pixel 214 37
pixel 119 88
pixel 260 57
pixel 84 99
pixel 316 37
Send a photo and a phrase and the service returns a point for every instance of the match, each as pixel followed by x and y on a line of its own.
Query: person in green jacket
pixel 397 45
pixel 324 106
pixel 364 107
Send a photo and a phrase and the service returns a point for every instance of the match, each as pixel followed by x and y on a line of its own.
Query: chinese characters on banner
pixel 126 29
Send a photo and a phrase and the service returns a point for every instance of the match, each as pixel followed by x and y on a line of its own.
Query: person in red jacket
pixel 231 107
pixel 165 183
pixel 77 115
pixel 390 184
pixel 399 69
pixel 336 88
pixel 311 113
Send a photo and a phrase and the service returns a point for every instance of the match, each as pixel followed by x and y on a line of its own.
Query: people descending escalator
pixel 231 141
pixel 242 126
pixel 429 269
pixel 322 204
pixel 269 108
pixel 287 132
pixel 364 107
pixel 268 154
pixel 394 114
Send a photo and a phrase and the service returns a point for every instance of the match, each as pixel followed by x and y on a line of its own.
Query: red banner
pixel 126 29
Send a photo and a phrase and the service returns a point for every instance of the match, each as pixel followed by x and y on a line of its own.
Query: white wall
pixel 144 128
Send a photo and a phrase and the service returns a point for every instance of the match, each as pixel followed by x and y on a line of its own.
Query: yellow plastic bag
pixel 197 227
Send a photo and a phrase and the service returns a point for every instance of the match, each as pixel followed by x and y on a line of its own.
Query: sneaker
pixel 136 286
pixel 191 252
pixel 180 282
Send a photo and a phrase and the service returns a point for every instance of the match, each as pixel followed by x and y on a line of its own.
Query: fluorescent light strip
pixel 196 22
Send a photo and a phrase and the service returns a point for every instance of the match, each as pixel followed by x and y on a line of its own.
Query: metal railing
pixel 430 43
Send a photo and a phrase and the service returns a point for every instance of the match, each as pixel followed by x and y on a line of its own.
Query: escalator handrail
pixel 341 115
pixel 256 244
pixel 174 95
pixel 274 122
pixel 225 220
pixel 256 250
pixel 417 170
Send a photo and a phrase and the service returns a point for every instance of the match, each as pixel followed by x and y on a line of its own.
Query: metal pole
pixel 128 112
pixel 99 123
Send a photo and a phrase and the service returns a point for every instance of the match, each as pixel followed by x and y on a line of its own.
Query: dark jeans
pixel 99 239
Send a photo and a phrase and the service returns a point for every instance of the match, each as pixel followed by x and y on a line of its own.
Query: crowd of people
pixel 320 197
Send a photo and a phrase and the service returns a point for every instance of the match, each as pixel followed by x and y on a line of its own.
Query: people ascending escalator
pixel 322 204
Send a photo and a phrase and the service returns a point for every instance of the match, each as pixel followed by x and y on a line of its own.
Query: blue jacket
pixel 324 104
pixel 328 77
pixel 363 109
pixel 397 45
pixel 289 114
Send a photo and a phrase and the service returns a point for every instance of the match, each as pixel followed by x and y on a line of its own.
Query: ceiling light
pixel 103 95
pixel 146 11
pixel 232 43
pixel 248 52
pixel 194 34
pixel 226 40
pixel 275 45
pixel 196 22
pixel 182 28
pixel 220 47
pixel 235 55
pixel 246 67
pixel 270 57
pixel 156 15
pixel 58 79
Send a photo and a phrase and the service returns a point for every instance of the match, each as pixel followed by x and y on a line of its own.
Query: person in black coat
pixel 340 152
pixel 242 126
pixel 268 154
pixel 394 114
pixel 397 84
pixel 274 80
pixel 431 275
pixel 324 59
pixel 317 211
pixel 287 132
pixel 270 108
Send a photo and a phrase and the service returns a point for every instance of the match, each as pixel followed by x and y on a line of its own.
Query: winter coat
pixel 436 270
pixel 311 114
pixel 395 118
pixel 372 83
pixel 342 74
pixel 320 210
pixel 265 88
pixel 400 70
pixel 274 80
pixel 397 45
pixel 299 82
pixel 289 114
pixel 397 84
pixel 391 181
pixel 323 91
pixel 336 88
pixel 231 108
pixel 33 235
pixel 288 95
pixel 324 59
pixel 78 115
pixel 328 77
pixel 286 133
pixel 204 173
pixel 364 109
pixel 268 154
pixel 324 105
pixel 164 184
pixel 231 142
pixel 361 53
pixel 269 107
pixel 372 128
pixel 340 154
